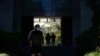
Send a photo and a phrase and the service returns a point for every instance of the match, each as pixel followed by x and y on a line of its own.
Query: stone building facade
pixel 12 12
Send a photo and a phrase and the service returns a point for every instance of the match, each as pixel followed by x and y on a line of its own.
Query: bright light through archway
pixel 47 25
pixel 50 25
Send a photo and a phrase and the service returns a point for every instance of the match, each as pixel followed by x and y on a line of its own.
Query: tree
pixel 88 40
pixel 94 5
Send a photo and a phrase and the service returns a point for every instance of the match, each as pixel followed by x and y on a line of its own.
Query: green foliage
pixel 58 26
pixel 87 41
pixel 13 36
pixel 9 42
pixel 4 54
pixel 93 53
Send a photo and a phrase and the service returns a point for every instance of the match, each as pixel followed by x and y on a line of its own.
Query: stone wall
pixel 6 15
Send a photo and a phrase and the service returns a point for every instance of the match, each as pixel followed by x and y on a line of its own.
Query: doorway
pixel 49 25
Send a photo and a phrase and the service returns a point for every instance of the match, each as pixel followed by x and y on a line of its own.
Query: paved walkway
pixel 52 51
pixel 57 51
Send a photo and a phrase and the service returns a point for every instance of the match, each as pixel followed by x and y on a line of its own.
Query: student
pixel 47 39
pixel 36 40
pixel 53 36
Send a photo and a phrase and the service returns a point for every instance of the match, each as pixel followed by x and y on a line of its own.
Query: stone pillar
pixel 66 25
pixel 76 19
pixel 26 27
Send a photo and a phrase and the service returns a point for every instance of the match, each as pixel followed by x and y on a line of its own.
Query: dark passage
pixel 64 50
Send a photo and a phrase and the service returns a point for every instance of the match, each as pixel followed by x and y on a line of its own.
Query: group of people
pixel 50 38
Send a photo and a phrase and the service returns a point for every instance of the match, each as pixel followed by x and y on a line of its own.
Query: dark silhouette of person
pixel 53 36
pixel 36 40
pixel 48 39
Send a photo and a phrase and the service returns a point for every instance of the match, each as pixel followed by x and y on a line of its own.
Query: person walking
pixel 48 39
pixel 53 37
pixel 35 38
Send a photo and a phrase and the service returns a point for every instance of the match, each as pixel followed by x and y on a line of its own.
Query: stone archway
pixel 49 25
pixel 66 31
